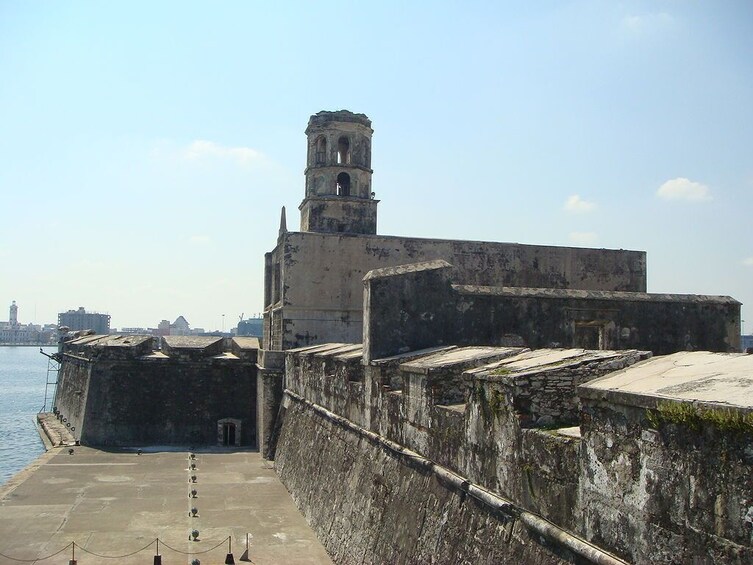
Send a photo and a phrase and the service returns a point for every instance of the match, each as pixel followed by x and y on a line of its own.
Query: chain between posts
pixel 73 545
pixel 38 558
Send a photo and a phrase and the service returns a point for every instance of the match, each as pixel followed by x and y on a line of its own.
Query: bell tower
pixel 339 198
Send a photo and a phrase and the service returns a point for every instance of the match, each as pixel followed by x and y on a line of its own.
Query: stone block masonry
pixel 416 306
pixel 314 289
pixel 119 390
pixel 375 502
pixel 448 408
pixel 667 460
pixel 550 455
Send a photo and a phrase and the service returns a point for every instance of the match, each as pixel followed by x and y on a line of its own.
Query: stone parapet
pixel 648 458
pixel 417 305
pixel 667 459
pixel 119 390
pixel 465 408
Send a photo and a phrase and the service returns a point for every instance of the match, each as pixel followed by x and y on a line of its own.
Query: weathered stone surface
pixel 368 506
pixel 467 409
pixel 315 290
pixel 415 306
pixel 419 299
pixel 115 391
pixel 672 492
pixel 682 491
pixel 339 196
pixel 597 319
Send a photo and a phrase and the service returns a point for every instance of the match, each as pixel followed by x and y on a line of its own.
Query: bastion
pixel 497 454
pixel 123 390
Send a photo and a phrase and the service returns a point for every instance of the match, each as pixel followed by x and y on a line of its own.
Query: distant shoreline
pixel 28 344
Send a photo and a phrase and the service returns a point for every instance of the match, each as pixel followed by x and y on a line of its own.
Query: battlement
pixel 581 437
pixel 471 384
pixel 175 348
pixel 122 390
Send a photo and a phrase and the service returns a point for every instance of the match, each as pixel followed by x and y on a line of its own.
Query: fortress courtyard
pixel 114 503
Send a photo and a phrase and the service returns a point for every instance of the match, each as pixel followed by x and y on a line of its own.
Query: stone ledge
pixel 56 433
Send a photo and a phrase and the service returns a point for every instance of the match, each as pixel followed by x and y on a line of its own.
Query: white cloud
pixel 201 149
pixel 646 23
pixel 579 206
pixel 199 239
pixel 684 189
pixel 748 261
pixel 583 237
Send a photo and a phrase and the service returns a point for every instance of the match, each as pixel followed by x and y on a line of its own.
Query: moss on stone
pixel 496 401
pixel 694 417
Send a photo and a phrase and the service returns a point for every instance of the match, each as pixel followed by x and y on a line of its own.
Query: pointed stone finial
pixel 283 223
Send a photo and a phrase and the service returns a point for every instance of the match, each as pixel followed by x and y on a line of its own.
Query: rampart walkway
pixel 113 503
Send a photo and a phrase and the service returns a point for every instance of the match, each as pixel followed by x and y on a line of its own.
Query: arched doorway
pixel 229 432
pixel 343 184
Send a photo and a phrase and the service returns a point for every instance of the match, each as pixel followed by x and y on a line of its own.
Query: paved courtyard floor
pixel 114 503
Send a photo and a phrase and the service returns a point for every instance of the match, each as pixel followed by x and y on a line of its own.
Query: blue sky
pixel 146 147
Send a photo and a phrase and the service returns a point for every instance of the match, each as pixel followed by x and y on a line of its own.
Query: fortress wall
pixel 348 258
pixel 408 308
pixel 270 374
pixel 550 473
pixel 673 494
pixel 666 491
pixel 659 323
pixel 501 442
pixel 329 375
pixel 72 391
pixel 320 275
pixel 460 415
pixel 415 306
pixel 374 504
pixel 119 391
pixel 164 401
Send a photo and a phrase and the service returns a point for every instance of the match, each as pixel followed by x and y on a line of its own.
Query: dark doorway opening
pixel 589 336
pixel 228 434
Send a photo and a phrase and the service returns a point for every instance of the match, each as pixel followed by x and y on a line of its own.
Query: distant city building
pixel 746 342
pixel 13 332
pixel 163 328
pixel 82 320
pixel 13 316
pixel 179 327
pixel 134 331
pixel 251 327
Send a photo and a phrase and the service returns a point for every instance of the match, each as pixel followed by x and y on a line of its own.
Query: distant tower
pixel 339 197
pixel 13 317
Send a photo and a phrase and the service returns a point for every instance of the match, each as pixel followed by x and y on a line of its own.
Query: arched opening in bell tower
pixel 343 151
pixel 343 184
pixel 320 150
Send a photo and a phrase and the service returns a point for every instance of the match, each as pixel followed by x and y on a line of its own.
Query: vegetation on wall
pixel 491 406
pixel 695 417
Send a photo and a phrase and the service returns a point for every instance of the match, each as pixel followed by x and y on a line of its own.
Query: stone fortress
pixel 438 401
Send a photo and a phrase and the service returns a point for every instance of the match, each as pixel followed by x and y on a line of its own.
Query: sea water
pixel 23 374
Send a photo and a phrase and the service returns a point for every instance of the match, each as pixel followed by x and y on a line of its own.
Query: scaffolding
pixel 50 387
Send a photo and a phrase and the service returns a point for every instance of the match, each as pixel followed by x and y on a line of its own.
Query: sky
pixel 146 148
